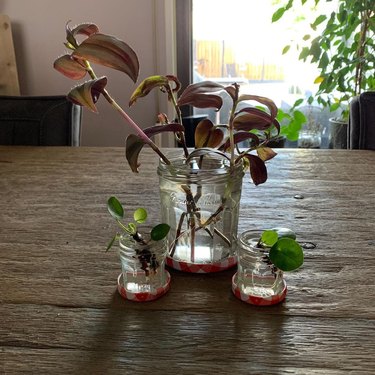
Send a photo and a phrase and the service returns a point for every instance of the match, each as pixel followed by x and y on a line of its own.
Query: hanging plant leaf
pixel 85 29
pixel 266 153
pixel 198 95
pixel 159 232
pixel 70 67
pixel 240 137
pixel 134 144
pixel 116 236
pixel 207 135
pixel 115 208
pixel 153 82
pixel 140 215
pixel 109 51
pixel 254 118
pixel 87 94
pixel 286 254
pixel 263 100
pixel 258 170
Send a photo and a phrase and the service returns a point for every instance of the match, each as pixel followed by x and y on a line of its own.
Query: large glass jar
pixel 200 202
pixel 143 276
pixel 257 280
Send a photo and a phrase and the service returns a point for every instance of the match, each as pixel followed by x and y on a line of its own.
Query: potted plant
pixel 142 255
pixel 200 189
pixel 344 52
pixel 263 256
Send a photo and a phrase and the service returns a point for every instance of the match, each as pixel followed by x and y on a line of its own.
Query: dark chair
pixel 361 130
pixel 39 121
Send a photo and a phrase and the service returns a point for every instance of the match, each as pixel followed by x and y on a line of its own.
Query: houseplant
pixel 263 256
pixel 200 214
pixel 142 255
pixel 344 52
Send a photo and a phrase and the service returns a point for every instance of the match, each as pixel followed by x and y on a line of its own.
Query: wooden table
pixel 60 311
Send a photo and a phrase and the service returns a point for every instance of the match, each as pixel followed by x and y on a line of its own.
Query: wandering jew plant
pixel 255 124
pixel 249 123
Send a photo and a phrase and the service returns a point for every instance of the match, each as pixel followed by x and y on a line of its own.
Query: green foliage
pixel 285 252
pixel 116 210
pixel 344 51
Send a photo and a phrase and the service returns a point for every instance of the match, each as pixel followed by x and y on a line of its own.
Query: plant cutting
pixel 142 255
pixel 262 259
pixel 201 218
pixel 344 52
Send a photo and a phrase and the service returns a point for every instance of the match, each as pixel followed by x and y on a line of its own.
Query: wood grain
pixel 8 68
pixel 60 312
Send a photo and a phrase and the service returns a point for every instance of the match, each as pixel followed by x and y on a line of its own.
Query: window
pixel 235 40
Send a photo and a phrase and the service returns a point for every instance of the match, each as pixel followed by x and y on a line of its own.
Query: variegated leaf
pixel 263 100
pixel 111 52
pixel 87 94
pixel 146 86
pixel 70 67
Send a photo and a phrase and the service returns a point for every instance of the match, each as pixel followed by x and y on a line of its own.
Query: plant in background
pixel 158 232
pixel 344 51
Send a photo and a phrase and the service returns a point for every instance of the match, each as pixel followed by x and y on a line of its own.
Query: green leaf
pixel 131 228
pixel 115 208
pixel 285 49
pixel 111 52
pixel 112 241
pixel 269 238
pixel 159 232
pixel 278 14
pixel 319 20
pixel 286 254
pixel 140 215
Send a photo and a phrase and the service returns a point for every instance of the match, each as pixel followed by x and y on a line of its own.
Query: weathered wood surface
pixel 60 312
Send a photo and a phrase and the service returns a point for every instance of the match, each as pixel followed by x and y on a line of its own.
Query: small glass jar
pixel 257 280
pixel 143 276
pixel 309 139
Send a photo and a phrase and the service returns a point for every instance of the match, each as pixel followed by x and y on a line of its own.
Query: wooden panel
pixel 8 67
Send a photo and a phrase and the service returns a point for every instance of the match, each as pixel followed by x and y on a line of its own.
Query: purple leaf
pixel 206 135
pixel 258 170
pixel 70 67
pixel 87 94
pixel 133 147
pixel 239 137
pixel 263 100
pixel 109 51
pixel 200 95
pixel 253 118
pixel 85 29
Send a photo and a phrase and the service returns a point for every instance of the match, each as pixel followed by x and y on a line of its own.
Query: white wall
pixel 38 28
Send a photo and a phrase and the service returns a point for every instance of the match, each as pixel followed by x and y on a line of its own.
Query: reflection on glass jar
pixel 309 139
pixel 257 280
pixel 200 202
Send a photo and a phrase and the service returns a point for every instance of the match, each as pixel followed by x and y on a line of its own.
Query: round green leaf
pixel 269 237
pixel 132 229
pixel 140 215
pixel 286 254
pixel 115 208
pixel 159 232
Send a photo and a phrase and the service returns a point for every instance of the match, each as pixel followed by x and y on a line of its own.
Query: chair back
pixel 39 121
pixel 361 130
